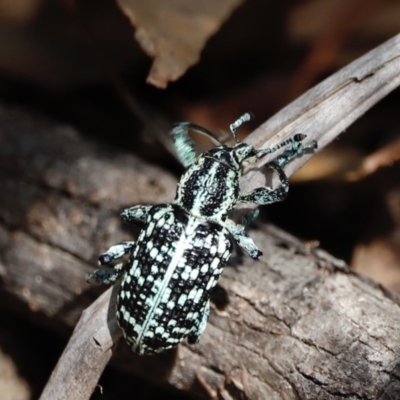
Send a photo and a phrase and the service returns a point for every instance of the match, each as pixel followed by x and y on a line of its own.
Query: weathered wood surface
pixel 295 324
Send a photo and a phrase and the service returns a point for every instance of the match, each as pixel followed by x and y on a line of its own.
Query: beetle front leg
pixel 107 259
pixel 136 215
pixel 265 195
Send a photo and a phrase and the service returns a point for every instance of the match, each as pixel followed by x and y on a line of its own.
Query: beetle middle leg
pixel 243 240
pixel 108 259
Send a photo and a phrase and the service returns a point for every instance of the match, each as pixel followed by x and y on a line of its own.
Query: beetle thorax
pixel 210 187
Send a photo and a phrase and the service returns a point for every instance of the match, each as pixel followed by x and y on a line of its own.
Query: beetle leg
pixel 136 214
pixel 266 195
pixel 106 277
pixel 243 240
pixel 107 259
pixel 115 252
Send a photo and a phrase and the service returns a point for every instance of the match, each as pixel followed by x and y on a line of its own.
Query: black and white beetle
pixel 183 247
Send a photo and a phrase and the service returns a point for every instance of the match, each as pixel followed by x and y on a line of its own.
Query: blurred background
pixel 121 72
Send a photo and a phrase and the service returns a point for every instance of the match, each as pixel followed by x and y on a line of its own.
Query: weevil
pixel 183 246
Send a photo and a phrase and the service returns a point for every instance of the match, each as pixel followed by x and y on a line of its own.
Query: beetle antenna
pixel 201 130
pixel 244 118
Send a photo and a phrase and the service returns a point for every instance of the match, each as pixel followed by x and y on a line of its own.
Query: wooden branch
pixel 293 325
pixel 332 106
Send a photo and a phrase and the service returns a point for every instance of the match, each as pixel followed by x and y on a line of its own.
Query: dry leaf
pixel 174 32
